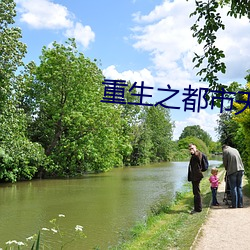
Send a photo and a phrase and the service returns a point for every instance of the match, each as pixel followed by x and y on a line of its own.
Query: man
pixel 195 175
pixel 235 170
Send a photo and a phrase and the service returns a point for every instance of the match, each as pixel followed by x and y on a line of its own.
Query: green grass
pixel 246 188
pixel 170 226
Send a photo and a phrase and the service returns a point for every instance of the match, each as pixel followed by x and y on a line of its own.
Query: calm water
pixel 104 204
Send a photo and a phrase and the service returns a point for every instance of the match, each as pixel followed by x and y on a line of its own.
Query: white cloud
pixel 83 34
pixel 206 121
pixel 159 12
pixel 129 75
pixel 44 14
pixel 132 76
pixel 234 41
pixel 165 33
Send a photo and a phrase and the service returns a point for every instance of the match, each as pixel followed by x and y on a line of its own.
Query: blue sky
pixel 138 40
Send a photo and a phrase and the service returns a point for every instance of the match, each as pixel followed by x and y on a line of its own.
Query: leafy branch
pixel 205 28
pixel 211 60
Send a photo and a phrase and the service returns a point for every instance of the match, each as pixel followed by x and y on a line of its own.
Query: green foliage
pixel 152 136
pixel 130 131
pixel 79 133
pixel 242 135
pixel 196 131
pixel 201 146
pixel 36 243
pixel 248 76
pixel 215 148
pixel 227 129
pixel 160 128
pixel 181 154
pixel 20 159
pixel 205 28
pixel 141 145
pixel 238 8
pixel 210 19
pixel 230 131
pixel 12 50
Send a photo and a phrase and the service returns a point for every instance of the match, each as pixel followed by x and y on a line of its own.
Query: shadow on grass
pixel 182 204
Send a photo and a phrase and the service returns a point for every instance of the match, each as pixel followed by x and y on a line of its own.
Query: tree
pixel 19 157
pixel 160 127
pixel 12 50
pixel 141 145
pixel 196 131
pixel 227 129
pixel 183 144
pixel 215 147
pixel 208 23
pixel 152 136
pixel 79 133
pixel 131 128
pixel 243 119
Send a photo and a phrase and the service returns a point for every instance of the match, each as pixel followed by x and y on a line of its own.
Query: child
pixel 214 185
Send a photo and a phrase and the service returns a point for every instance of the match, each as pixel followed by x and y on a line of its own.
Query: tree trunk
pixel 56 139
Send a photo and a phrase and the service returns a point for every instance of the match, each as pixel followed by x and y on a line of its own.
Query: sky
pixel 138 40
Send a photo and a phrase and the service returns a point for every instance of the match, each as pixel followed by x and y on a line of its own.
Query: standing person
pixel 195 175
pixel 235 170
pixel 214 186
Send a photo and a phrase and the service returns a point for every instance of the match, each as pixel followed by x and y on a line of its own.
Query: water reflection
pixel 105 204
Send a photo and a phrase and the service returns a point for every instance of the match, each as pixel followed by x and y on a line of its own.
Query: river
pixel 104 204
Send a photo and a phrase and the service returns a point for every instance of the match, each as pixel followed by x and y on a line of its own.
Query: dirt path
pixel 225 228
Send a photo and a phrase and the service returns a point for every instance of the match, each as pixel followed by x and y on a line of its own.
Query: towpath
pixel 225 228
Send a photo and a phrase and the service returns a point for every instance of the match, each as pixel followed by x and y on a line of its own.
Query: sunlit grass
pixel 170 226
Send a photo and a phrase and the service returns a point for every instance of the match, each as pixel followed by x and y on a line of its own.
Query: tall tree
pixel 160 127
pixel 130 124
pixel 78 132
pixel 152 136
pixel 19 157
pixel 196 131
pixel 12 51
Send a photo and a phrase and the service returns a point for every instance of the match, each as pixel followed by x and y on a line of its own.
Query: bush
pixel 21 160
pixel 201 146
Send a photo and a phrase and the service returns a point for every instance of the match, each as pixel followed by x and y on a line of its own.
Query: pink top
pixel 214 181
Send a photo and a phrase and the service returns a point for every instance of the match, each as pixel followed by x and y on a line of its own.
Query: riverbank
pixel 172 227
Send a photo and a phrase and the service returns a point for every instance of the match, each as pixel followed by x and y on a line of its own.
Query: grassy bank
pixel 170 227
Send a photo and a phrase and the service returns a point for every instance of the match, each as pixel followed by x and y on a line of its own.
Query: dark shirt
pixel 194 168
